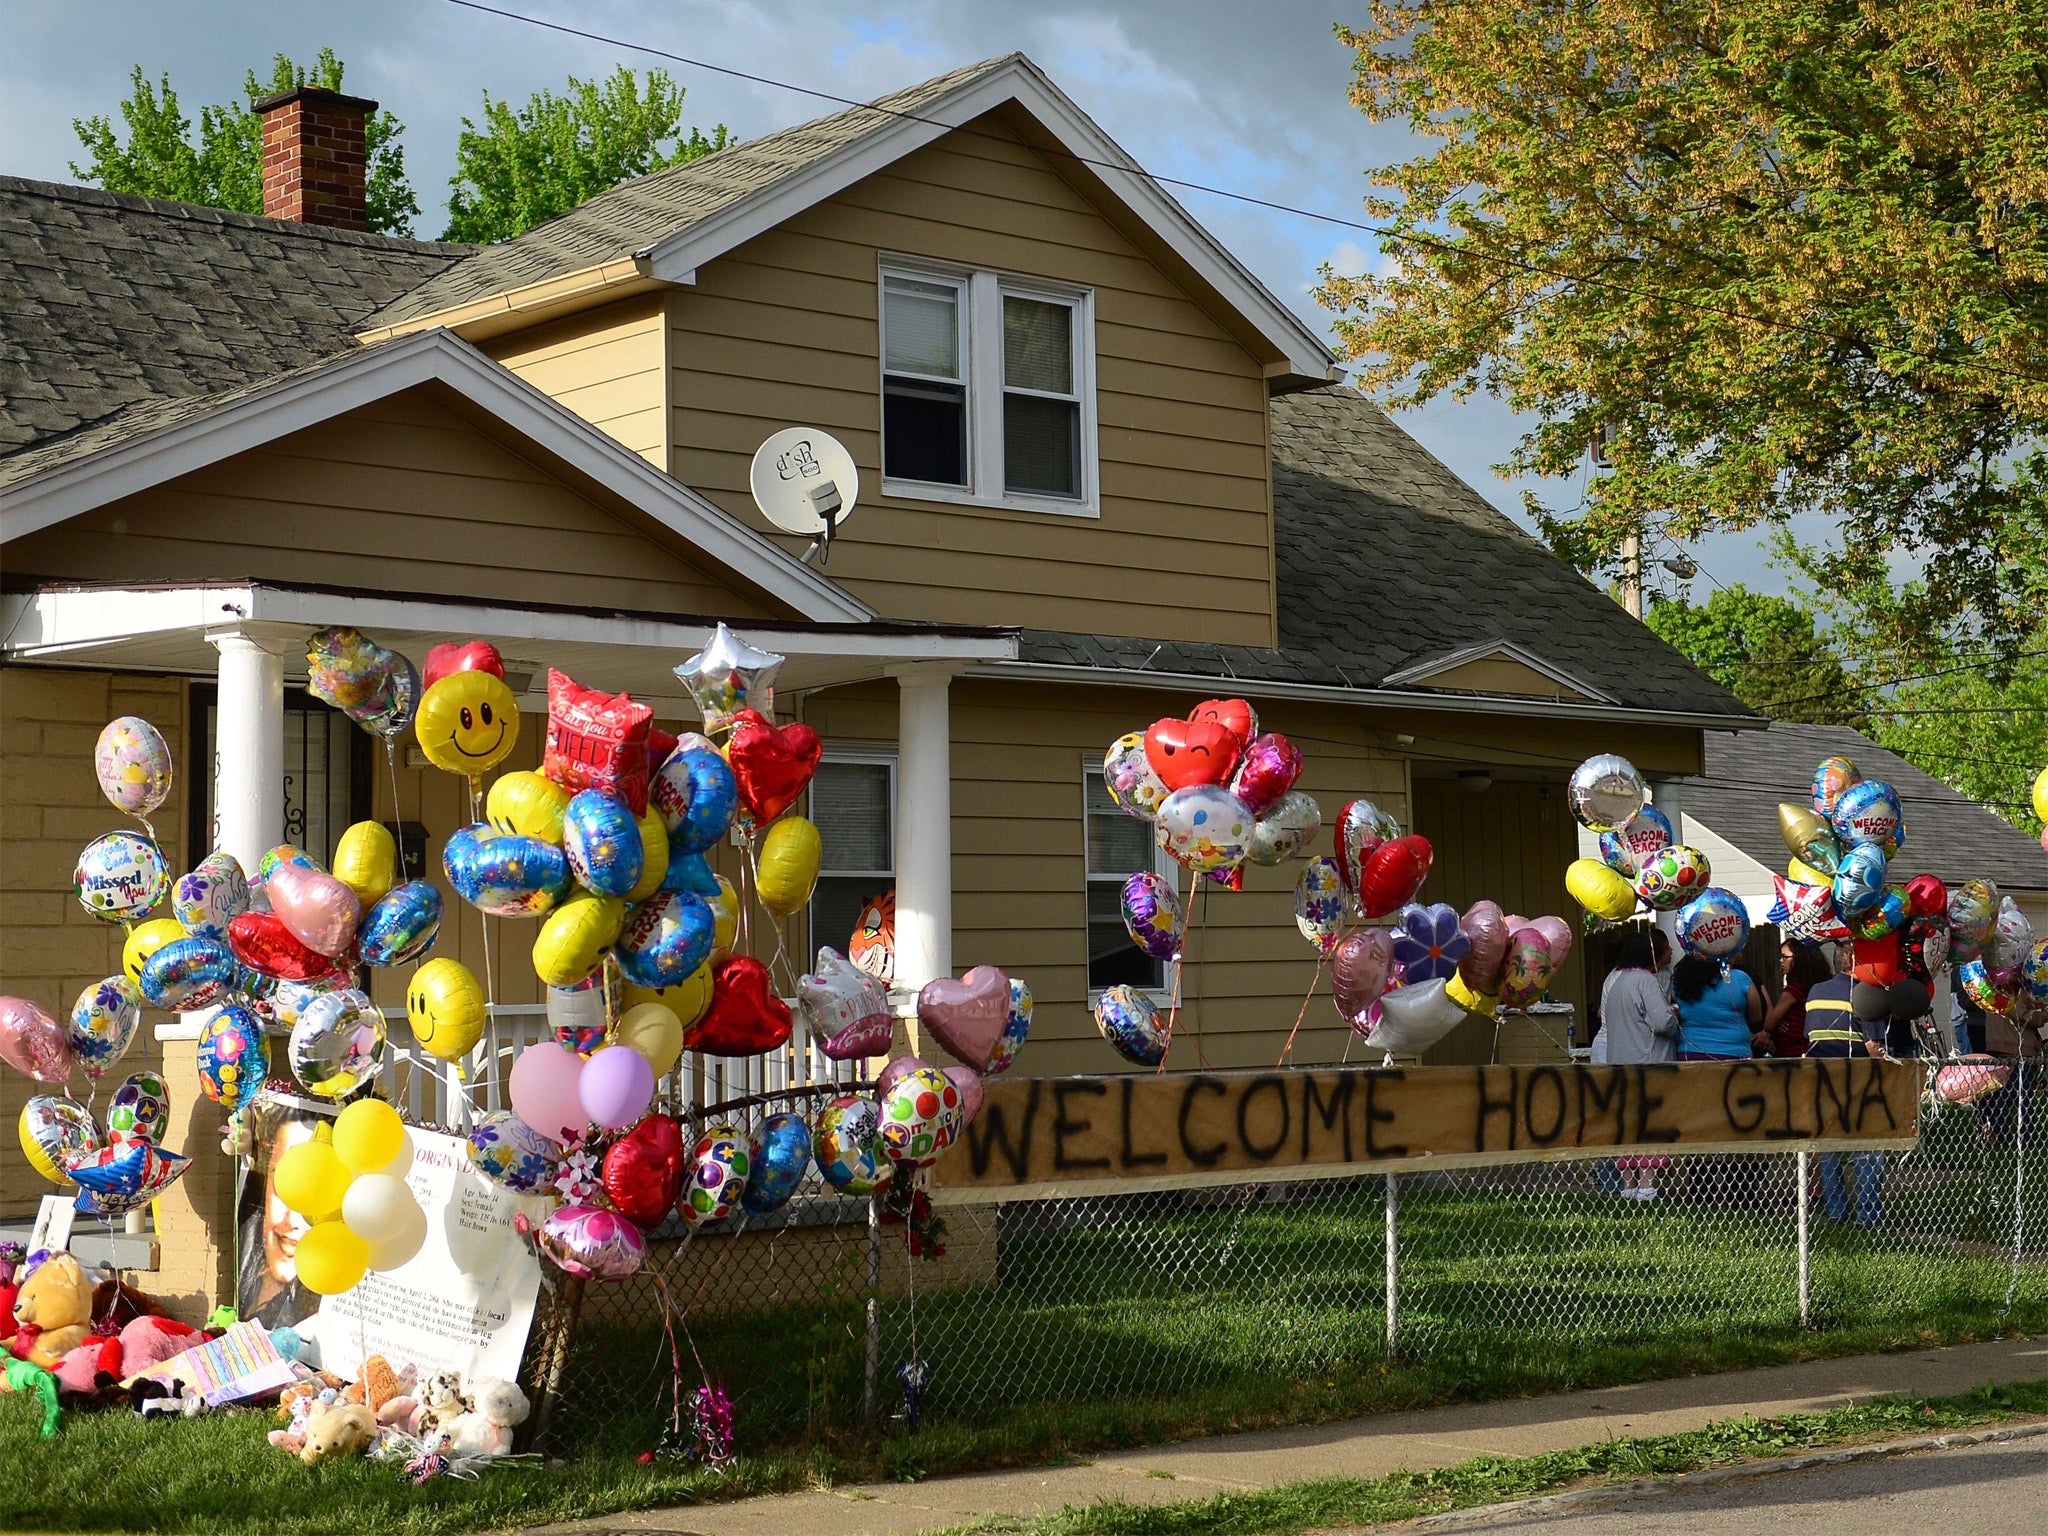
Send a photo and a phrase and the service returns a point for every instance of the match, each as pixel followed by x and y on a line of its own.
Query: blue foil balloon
pixel 1714 923
pixel 233 1060
pixel 665 939
pixel 402 926
pixel 1868 812
pixel 1887 914
pixel 1130 1022
pixel 688 872
pixel 777 1155
pixel 188 974
pixel 504 874
pixel 1859 882
pixel 602 841
pixel 696 795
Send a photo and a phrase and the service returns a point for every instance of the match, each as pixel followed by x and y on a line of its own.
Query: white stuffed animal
pixel 486 1430
pixel 440 1402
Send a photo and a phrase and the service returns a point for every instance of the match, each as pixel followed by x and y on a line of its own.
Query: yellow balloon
pixel 445 1007
pixel 367 1135
pixel 1806 874
pixel 467 722
pixel 40 1160
pixel 2041 795
pixel 653 856
pixel 788 864
pixel 573 940
pixel 330 1258
pixel 144 940
pixel 725 922
pixel 689 999
pixel 311 1178
pixel 366 861
pixel 1470 999
pixel 654 1031
pixel 530 804
pixel 1600 890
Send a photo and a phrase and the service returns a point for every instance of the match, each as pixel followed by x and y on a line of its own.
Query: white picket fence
pixel 428 1091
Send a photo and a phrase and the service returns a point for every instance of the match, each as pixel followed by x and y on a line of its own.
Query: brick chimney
pixel 315 160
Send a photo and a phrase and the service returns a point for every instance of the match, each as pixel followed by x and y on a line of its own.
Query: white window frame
pixel 981 316
pixel 853 755
pixel 1162 865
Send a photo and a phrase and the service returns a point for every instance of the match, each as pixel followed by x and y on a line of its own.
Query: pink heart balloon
pixel 967 1016
pixel 317 909
pixel 968 1081
pixel 1485 928
pixel 1359 970
pixel 33 1042
pixel 894 1072
pixel 1557 936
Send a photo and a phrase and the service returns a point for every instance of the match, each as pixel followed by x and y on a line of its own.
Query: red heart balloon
pixel 476 656
pixel 771 765
pixel 745 1017
pixel 1184 752
pixel 643 1170
pixel 1271 765
pixel 1393 873
pixel 1234 715
pixel 261 941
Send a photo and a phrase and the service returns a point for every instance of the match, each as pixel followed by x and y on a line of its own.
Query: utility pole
pixel 1632 574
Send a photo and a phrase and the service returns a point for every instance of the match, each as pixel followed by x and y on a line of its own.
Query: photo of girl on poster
pixel 268 1289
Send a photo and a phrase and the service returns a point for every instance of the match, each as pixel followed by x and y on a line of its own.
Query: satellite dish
pixel 804 482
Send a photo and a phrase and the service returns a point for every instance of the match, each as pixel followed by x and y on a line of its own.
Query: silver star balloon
pixel 729 675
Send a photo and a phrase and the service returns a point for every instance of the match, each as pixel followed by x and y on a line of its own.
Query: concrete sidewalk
pixel 1370 1447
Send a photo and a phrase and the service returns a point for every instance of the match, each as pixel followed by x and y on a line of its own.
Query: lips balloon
pixel 1185 752
pixel 967 1016
pixel 1392 874
pixel 745 1017
pixel 1359 971
pixel 643 1170
pixel 771 764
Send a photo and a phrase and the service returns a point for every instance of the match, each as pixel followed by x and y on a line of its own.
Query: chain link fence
pixel 1523 1274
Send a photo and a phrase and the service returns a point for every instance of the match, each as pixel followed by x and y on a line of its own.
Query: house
pixel 1104 473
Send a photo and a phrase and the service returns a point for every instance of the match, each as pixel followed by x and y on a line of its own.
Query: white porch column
pixel 924 824
pixel 248 765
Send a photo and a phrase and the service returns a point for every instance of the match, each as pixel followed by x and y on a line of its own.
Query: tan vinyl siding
pixel 51 948
pixel 784 331
pixel 404 495
pixel 606 365
pixel 1499 674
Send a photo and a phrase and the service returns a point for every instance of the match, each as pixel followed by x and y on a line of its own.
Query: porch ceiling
pixel 164 630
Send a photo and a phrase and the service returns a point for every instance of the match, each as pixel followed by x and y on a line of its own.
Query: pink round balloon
pixel 968 1081
pixel 1359 970
pixel 545 1091
pixel 1557 936
pixel 1485 926
pixel 901 1067
pixel 33 1042
pixel 318 910
pixel 616 1086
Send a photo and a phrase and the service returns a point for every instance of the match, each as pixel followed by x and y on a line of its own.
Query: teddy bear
pixel 441 1403
pixel 337 1429
pixel 53 1312
pixel 486 1429
pixel 386 1392
pixel 296 1407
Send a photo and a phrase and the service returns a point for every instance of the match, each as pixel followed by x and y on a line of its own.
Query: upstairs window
pixel 988 390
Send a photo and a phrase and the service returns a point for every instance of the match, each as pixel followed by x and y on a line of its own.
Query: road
pixel 1976 1488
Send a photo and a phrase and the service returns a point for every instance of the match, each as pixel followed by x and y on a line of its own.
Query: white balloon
pixel 394 1251
pixel 401 1164
pixel 1414 1018
pixel 378 1207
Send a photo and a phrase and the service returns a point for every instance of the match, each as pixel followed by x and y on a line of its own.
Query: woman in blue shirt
pixel 1720 1013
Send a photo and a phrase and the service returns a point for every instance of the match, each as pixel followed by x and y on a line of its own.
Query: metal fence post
pixel 1805 1245
pixel 1393 1265
pixel 872 1370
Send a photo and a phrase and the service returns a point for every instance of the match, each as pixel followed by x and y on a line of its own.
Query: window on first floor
pixel 987 389
pixel 853 802
pixel 1119 846
pixel 327 773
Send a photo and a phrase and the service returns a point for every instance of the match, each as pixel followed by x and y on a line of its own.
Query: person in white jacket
pixel 1637 1023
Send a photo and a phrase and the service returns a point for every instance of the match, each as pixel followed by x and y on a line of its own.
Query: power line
pixel 1383 232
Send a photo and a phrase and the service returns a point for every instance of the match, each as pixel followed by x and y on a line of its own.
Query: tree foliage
pixel 1788 256
pixel 1766 651
pixel 223 167
pixel 528 164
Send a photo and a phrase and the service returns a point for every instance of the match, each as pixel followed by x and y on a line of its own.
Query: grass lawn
pixel 1173 1320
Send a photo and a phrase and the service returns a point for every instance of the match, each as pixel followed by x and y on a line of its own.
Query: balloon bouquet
pixel 1641 861
pixel 1219 794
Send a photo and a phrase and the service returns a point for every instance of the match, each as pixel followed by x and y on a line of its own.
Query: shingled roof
pixel 116 302
pixel 1947 834
pixel 1386 559
pixel 634 216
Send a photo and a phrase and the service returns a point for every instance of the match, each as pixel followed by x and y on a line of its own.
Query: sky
pixel 1246 97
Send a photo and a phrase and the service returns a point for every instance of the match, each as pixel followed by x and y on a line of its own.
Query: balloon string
pixel 484 923
pixel 397 815
pixel 781 961
pixel 1314 982
pixel 1179 965
pixel 1195 991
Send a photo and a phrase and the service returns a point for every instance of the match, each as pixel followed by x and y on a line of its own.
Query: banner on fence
pixel 1048 1135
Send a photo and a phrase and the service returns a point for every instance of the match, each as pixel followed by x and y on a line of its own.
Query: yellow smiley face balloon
pixel 445 1007
pixel 467 722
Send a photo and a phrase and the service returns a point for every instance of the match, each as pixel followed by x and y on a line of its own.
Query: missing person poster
pixel 464 1302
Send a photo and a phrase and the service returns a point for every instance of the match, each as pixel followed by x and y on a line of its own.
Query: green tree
pixel 1785 256
pixel 1765 650
pixel 526 165
pixel 224 167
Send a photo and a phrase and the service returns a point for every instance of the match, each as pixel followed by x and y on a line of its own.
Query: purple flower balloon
pixel 1429 944
pixel 1152 915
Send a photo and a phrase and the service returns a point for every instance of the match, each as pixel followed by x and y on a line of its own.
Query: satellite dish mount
pixel 804 482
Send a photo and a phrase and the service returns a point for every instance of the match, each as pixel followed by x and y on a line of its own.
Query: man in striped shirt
pixel 1832 1029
